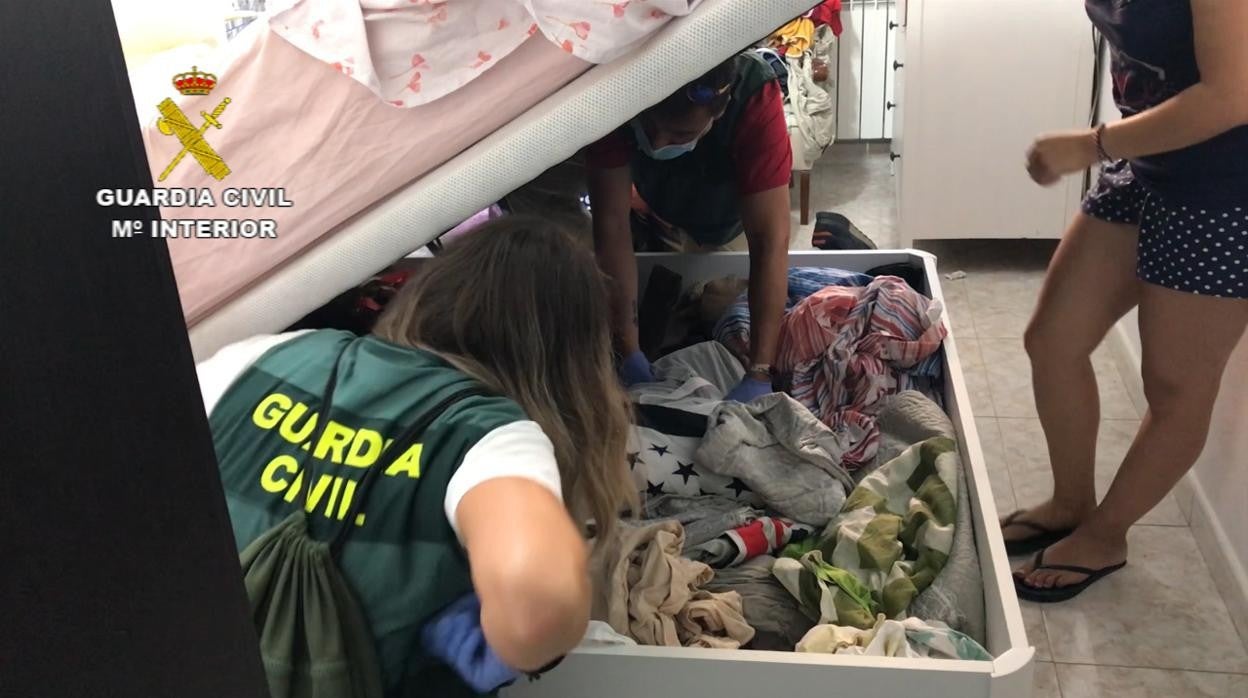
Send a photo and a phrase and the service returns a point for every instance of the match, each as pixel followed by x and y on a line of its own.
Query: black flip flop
pixel 1025 546
pixel 1028 592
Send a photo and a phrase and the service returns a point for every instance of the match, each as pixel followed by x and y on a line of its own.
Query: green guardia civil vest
pixel 402 559
pixel 697 191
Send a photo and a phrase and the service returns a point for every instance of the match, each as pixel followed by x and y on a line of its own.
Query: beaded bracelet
pixel 1100 145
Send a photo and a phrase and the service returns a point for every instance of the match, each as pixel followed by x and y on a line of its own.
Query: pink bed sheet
pixel 296 123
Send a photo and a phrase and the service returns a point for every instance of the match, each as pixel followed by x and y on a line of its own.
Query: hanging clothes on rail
pixel 827 13
pixel 811 109
pixel 795 37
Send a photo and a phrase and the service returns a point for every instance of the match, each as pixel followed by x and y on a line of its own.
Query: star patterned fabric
pixel 664 464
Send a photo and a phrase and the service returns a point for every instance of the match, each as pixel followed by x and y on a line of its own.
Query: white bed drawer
pixel 662 672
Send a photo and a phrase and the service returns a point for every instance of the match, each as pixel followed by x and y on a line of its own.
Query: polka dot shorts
pixel 1185 248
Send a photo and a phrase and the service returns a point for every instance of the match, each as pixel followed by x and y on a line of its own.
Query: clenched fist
pixel 1055 155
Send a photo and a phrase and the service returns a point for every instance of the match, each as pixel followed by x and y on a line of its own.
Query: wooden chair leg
pixel 805 196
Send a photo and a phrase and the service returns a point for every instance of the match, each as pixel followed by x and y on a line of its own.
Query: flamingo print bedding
pixel 411 52
pixel 316 120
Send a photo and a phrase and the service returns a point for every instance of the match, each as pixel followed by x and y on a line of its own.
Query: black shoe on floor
pixel 836 232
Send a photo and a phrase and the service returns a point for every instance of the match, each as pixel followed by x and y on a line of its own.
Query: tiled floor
pixel 854 180
pixel 1159 627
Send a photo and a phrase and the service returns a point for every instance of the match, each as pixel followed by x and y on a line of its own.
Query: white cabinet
pixel 897 113
pixel 981 79
pixel 893 43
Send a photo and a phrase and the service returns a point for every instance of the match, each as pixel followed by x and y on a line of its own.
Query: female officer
pixel 509 477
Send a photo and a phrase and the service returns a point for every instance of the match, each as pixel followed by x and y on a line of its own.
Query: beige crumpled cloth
pixel 894 638
pixel 886 639
pixel 644 589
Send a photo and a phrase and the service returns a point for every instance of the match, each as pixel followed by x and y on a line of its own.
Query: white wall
pixel 1221 475
pixel 1216 492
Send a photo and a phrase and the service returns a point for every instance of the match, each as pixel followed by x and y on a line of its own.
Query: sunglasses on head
pixel 703 95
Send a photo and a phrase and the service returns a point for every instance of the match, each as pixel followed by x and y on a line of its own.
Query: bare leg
pixel 1090 285
pixel 1187 341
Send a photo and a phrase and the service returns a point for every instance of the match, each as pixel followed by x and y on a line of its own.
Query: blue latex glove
pixel 748 389
pixel 455 637
pixel 636 368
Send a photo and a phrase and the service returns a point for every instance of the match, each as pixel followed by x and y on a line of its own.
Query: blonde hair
pixel 521 306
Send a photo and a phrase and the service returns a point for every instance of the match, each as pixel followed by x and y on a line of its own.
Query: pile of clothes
pixel 796 36
pixel 771 454
pixel 648 592
pixel 845 349
pixel 847 341
pixel 887 544
pixel 891 638
pixel 802 52
pixel 832 516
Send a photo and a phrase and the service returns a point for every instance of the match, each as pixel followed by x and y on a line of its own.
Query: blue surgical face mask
pixel 667 152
